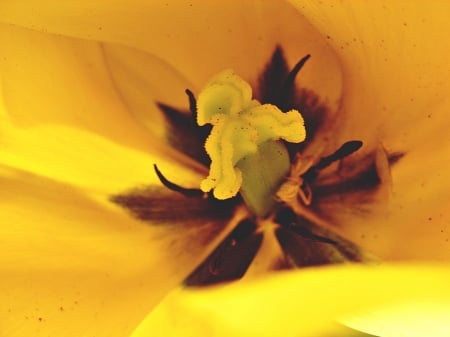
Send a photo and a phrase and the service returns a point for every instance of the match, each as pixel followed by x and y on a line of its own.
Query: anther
pixel 187 192
pixel 192 103
pixel 288 84
pixel 344 151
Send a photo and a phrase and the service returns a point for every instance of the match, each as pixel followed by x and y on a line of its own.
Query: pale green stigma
pixel 244 144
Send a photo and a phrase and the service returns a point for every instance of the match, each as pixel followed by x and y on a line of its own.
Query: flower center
pixel 244 143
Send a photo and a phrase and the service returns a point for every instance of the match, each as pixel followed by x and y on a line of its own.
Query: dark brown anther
pixel 345 150
pixel 192 103
pixel 289 220
pixel 306 243
pixel 187 192
pixel 289 82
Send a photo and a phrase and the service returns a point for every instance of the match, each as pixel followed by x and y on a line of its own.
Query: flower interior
pixel 254 149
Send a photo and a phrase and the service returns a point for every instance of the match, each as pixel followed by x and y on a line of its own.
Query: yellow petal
pixel 67 144
pixel 143 79
pixel 394 69
pixel 74 266
pixel 67 82
pixel 83 159
pixel 164 64
pixel 395 72
pixel 308 302
pixel 198 39
pixel 57 80
pixel 62 118
pixel 70 266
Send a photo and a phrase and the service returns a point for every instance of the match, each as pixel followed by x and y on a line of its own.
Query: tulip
pixel 94 242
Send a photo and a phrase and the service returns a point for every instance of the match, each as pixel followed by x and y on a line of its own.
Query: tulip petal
pixel 308 302
pixel 62 118
pixel 146 66
pixel 83 159
pixel 58 80
pixel 198 39
pixel 108 79
pixel 67 258
pixel 391 77
pixel 395 73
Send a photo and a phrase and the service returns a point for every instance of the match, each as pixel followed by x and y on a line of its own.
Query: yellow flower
pixel 79 123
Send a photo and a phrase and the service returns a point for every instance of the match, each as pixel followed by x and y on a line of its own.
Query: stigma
pixel 246 142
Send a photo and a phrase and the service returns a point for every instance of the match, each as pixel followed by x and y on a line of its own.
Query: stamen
pixel 192 103
pixel 345 150
pixel 187 192
pixel 297 187
pixel 289 83
pixel 288 220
